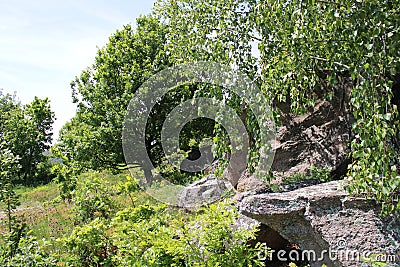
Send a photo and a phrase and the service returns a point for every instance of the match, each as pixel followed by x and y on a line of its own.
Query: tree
pixel 7 104
pixel 27 133
pixel 102 93
pixel 303 46
pixel 93 138
pixel 9 168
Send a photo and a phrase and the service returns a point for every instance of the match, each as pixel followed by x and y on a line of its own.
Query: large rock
pixel 319 138
pixel 249 182
pixel 206 190
pixel 325 218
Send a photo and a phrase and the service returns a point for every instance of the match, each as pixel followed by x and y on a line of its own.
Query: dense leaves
pixel 294 49
pixel 27 133
pixel 93 198
pixel 17 247
pixel 9 168
pixel 153 235
pixel 92 139
pixel 102 93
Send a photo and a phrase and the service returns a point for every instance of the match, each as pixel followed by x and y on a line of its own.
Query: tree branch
pixel 335 62
pixel 329 2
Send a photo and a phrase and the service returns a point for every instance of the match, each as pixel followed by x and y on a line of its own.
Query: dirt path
pixel 3 214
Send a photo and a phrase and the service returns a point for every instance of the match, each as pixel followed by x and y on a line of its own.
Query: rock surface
pixel 206 190
pixel 325 218
pixel 319 138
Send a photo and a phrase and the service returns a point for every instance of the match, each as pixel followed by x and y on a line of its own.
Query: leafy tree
pixel 292 49
pixel 9 168
pixel 27 132
pixel 189 138
pixel 102 93
pixel 93 138
pixel 7 104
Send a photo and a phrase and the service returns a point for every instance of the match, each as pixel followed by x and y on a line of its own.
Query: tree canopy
pixel 286 45
pixel 290 49
pixel 102 93
pixel 26 131
pixel 92 139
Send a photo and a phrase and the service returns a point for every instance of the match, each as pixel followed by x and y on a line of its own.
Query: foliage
pixel 92 139
pixel 315 175
pixel 303 49
pixel 174 175
pixel 131 185
pixel 89 244
pixel 142 234
pixel 8 103
pixel 190 136
pixel 93 198
pixel 27 132
pixel 323 175
pixel 102 93
pixel 66 173
pixel 27 252
pixel 154 235
pixel 9 168
pixel 17 247
pixel 144 238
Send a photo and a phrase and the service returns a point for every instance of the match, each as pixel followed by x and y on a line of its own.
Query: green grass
pixel 166 193
pixel 34 196
pixel 51 218
pixel 322 175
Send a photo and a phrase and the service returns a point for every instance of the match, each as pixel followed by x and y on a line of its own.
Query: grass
pixel 167 193
pixel 322 175
pixel 49 217
pixel 34 196
pixel 52 219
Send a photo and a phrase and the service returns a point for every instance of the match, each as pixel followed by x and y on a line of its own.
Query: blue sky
pixel 44 44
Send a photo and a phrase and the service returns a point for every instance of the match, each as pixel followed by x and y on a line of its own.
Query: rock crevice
pixel 325 221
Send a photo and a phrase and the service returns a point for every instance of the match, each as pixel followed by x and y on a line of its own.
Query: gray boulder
pixel 319 138
pixel 206 190
pixel 323 219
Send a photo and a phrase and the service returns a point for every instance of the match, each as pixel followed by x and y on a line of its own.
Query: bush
pixel 9 168
pixel 65 174
pixel 20 249
pixel 44 172
pixel 89 245
pixel 93 198
pixel 143 237
pixel 127 188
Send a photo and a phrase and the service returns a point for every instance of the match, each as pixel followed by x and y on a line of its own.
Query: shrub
pixel 89 245
pixel 93 198
pixel 144 237
pixel 127 188
pixel 9 167
pixel 65 175
pixel 20 249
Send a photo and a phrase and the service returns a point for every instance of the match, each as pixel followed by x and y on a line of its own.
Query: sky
pixel 44 44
